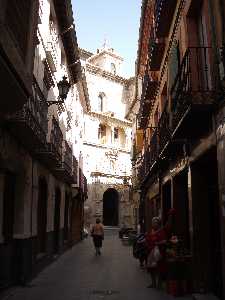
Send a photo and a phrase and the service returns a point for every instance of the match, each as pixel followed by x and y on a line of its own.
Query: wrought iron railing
pixel 68 158
pixel 144 87
pixel 85 187
pixel 34 114
pixel 153 148
pixel 164 128
pixel 158 8
pixel 75 169
pixel 152 41
pixel 162 6
pixel 150 156
pixel 56 138
pixel 40 107
pixel 194 83
pixel 146 100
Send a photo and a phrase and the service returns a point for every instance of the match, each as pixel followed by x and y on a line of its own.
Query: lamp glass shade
pixel 63 87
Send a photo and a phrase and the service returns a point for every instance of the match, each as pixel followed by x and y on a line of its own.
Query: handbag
pixel 154 257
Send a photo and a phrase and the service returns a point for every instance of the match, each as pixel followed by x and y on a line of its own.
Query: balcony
pixel 150 157
pixel 149 89
pixel 156 52
pixel 51 153
pixel 164 12
pixel 52 54
pixel 75 170
pixel 17 46
pixel 64 170
pixel 29 125
pixel 83 184
pixel 164 129
pixel 194 93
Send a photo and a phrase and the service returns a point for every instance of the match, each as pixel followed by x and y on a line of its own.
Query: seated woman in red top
pixel 156 241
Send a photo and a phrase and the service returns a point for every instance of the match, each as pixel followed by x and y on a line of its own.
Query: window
pixel 116 133
pixel 102 133
pixel 113 68
pixel 100 103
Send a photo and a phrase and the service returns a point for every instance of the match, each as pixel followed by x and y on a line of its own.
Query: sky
pixel 116 20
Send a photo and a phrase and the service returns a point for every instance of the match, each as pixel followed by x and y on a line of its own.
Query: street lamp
pixel 63 86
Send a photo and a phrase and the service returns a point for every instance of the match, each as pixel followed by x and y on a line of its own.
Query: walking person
pixel 156 241
pixel 97 233
pixel 140 250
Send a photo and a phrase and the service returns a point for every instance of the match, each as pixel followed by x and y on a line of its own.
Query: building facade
pixel 107 139
pixel 179 159
pixel 42 186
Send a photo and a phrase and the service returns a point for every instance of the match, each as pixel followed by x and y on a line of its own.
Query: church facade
pixel 107 139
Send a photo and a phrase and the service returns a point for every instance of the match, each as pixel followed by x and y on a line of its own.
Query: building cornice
pixel 64 13
pixel 102 146
pixel 101 174
pixel 99 71
pixel 105 52
pixel 108 118
pixel 86 94
pixel 85 53
pixel 141 28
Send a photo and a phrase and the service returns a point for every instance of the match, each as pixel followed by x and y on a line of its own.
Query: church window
pixel 100 102
pixel 102 133
pixel 113 68
pixel 116 133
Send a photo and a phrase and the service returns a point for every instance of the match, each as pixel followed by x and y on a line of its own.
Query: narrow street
pixel 79 274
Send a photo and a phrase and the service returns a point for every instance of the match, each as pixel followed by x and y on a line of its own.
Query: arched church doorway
pixel 42 215
pixel 57 220
pixel 111 207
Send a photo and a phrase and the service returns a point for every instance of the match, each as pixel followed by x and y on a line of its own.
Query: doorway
pixel 207 253
pixel 181 205
pixel 66 217
pixel 42 215
pixel 9 270
pixel 57 220
pixel 111 207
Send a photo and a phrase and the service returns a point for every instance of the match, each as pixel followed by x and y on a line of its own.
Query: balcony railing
pixel 64 168
pixel 150 156
pixel 30 123
pixel 164 128
pixel 52 52
pixel 149 89
pixel 75 170
pixel 194 84
pixel 164 12
pixel 56 138
pixel 83 183
pixel 68 158
pixel 156 51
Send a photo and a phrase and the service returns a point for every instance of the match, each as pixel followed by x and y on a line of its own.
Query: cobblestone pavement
pixel 80 275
